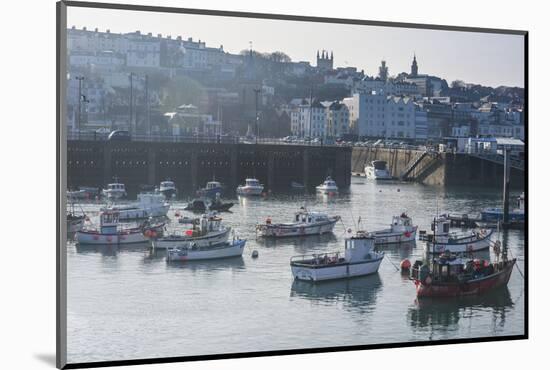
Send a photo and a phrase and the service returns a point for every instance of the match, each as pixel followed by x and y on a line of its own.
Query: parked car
pixel 119 135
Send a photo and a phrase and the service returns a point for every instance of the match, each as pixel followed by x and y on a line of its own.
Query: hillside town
pixel 171 86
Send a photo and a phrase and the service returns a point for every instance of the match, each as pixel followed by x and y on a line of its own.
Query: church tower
pixel 414 67
pixel 325 62
pixel 383 71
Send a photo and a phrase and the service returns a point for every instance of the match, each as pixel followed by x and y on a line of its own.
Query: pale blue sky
pixel 488 59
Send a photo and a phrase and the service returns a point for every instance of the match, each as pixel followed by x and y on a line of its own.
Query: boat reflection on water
pixel 301 244
pixel 210 266
pixel 112 249
pixel 437 315
pixel 397 250
pixel 355 293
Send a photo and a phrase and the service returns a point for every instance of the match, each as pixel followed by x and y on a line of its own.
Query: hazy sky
pixel 488 59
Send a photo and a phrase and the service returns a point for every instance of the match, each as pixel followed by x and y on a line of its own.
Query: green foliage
pixel 181 90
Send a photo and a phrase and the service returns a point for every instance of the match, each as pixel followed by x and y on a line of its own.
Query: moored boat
pixel 251 187
pixel 211 189
pixel 451 276
pixel 168 189
pixel 328 186
pixel 377 170
pixel 115 190
pixel 516 215
pixel 111 232
pixel 204 231
pixel 147 205
pixel 442 239
pixel 190 251
pixel 359 259
pixel 304 223
pixel 401 230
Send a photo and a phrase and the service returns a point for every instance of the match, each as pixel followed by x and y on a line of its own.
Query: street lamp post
pixel 131 102
pixel 79 116
pixel 256 94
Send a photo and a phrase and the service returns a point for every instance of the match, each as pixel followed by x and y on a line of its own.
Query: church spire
pixel 414 67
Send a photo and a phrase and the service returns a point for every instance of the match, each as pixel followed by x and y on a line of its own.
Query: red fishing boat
pixel 451 276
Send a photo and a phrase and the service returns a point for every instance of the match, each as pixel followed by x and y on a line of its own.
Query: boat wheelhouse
pixel 115 191
pixel 304 223
pixel 377 170
pixel 190 251
pixel 328 186
pixel 358 259
pixel 168 189
pixel 203 231
pixel 147 205
pixel 111 232
pixel 451 276
pixel 442 239
pixel 401 230
pixel 251 187
pixel 211 189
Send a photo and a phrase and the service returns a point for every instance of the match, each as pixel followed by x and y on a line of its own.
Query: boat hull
pixel 203 241
pixel 472 287
pixel 337 271
pixel 88 237
pixel 389 237
pixel 141 213
pixel 232 249
pixel 243 190
pixel 465 246
pixel 374 174
pixel 281 231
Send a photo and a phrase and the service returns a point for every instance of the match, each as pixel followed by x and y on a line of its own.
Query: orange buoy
pixel 405 265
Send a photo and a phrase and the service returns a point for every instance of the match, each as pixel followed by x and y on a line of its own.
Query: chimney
pixel 83 28
pixel 95 30
pixel 73 27
pixel 149 34
pixel 108 31
pixel 179 38
pixel 159 35
pixel 190 39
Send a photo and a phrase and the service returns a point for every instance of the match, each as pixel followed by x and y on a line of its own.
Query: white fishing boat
pixel 250 187
pixel 111 232
pixel 191 251
pixel 304 223
pixel 359 259
pixel 377 170
pixel 328 186
pixel 442 239
pixel 147 205
pixel 168 189
pixel 204 231
pixel 115 191
pixel 401 230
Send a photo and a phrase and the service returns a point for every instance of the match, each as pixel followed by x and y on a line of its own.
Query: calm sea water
pixel 127 302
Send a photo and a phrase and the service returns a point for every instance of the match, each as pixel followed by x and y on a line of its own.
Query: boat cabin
pixel 401 222
pixel 310 217
pixel 358 247
pixel 213 185
pixel 252 182
pixel 210 223
pixel 329 182
pixel 379 165
pixel 441 226
pixel 116 186
pixel 108 222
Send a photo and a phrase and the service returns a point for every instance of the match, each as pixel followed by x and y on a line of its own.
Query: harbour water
pixel 127 302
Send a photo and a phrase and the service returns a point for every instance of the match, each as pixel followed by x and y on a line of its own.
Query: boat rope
pixel 394 265
pixel 492 243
